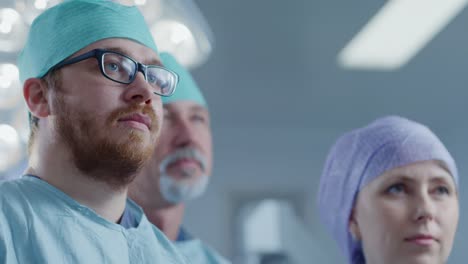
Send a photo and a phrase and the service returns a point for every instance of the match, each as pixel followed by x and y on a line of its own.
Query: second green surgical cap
pixel 74 24
pixel 187 88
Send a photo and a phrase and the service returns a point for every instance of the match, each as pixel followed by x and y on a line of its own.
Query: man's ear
pixel 354 227
pixel 35 95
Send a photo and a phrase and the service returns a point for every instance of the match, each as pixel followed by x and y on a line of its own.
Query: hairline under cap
pixel 77 51
pixel 81 26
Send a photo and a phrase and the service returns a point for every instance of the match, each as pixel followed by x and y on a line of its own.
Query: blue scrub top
pixel 197 251
pixel 41 224
pixel 193 249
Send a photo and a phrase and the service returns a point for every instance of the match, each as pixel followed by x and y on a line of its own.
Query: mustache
pixel 183 153
pixel 124 111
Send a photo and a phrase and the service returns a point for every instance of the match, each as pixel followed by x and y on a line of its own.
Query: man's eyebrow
pixel 152 61
pixel 155 62
pixel 199 108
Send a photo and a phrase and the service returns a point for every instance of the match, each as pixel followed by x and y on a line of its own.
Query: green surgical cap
pixel 187 88
pixel 74 24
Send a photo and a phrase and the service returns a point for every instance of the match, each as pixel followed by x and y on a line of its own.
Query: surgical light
pixel 10 147
pixel 13 30
pixel 179 28
pixel 10 91
pixel 175 38
pixel 30 9
pixel 20 121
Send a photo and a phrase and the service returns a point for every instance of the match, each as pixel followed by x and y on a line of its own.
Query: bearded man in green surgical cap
pixel 180 167
pixel 92 81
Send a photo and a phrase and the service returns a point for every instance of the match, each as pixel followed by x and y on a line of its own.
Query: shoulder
pixel 22 199
pixel 159 243
pixel 13 194
pixel 20 192
pixel 14 207
pixel 196 249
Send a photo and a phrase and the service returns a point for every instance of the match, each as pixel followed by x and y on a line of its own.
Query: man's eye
pixel 152 78
pixel 111 66
pixel 198 118
pixel 162 84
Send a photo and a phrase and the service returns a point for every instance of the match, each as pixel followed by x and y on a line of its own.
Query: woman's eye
pixel 442 190
pixel 396 188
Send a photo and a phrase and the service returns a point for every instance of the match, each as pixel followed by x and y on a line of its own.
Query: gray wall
pixel 279 100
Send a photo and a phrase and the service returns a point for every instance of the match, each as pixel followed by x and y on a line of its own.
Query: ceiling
pixel 274 64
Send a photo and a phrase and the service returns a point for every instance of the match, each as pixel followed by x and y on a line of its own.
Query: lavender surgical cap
pixel 360 156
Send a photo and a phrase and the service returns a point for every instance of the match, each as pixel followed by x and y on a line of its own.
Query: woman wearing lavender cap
pixel 389 194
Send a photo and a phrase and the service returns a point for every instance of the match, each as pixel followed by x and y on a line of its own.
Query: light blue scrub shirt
pixel 41 224
pixel 193 249
pixel 197 251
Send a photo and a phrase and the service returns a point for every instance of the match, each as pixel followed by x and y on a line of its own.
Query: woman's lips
pixel 423 240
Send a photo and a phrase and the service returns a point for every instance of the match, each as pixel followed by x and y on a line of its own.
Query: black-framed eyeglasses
pixel 123 69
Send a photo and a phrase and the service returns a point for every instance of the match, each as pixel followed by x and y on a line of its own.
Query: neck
pixel 168 219
pixel 53 163
pixel 144 190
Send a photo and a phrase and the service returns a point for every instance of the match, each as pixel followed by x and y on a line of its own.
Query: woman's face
pixel 407 215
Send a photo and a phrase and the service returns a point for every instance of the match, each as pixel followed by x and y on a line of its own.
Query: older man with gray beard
pixel 180 167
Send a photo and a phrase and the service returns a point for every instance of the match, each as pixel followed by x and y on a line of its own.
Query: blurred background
pixel 283 80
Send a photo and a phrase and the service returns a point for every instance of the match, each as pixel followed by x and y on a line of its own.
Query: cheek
pixel 205 140
pixel 157 107
pixel 380 224
pixel 448 216
pixel 165 137
pixel 99 104
pixel 379 216
pixel 208 145
pixel 208 150
pixel 162 148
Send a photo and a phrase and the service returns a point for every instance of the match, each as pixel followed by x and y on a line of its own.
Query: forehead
pixel 184 106
pixel 418 172
pixel 131 48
